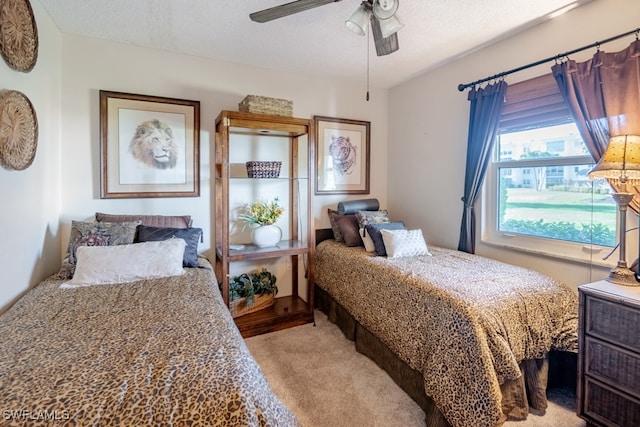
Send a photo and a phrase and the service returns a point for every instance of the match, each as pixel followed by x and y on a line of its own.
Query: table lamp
pixel 620 165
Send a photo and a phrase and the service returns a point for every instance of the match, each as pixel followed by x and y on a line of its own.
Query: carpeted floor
pixel 317 372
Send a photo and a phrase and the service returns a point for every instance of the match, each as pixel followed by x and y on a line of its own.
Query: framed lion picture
pixel 149 146
pixel 342 155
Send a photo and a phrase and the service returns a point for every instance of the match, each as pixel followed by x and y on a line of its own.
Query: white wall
pixel 63 183
pixel 427 131
pixel 30 242
pixel 428 120
pixel 89 65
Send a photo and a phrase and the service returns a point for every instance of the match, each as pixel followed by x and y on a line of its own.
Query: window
pixel 538 195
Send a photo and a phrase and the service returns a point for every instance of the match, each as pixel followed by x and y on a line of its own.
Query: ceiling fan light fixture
pixel 359 20
pixel 384 45
pixel 385 9
pixel 390 26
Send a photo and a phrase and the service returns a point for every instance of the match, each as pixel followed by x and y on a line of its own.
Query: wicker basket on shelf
pixel 266 105
pixel 239 307
pixel 257 169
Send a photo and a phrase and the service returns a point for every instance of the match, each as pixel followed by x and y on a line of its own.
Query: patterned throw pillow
pixel 372 217
pixel 404 243
pixel 95 234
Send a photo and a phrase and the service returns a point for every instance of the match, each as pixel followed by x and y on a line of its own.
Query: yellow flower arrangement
pixel 262 213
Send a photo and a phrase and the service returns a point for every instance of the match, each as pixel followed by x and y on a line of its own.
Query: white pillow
pixel 105 265
pixel 369 246
pixel 403 243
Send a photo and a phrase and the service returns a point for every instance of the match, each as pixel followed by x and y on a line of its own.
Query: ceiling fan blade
pixel 287 9
pixel 387 45
pixel 384 45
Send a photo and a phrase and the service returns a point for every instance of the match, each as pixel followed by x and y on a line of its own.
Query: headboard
pixel 348 207
pixel 323 234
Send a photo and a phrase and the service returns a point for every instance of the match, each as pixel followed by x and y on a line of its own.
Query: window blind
pixel 533 103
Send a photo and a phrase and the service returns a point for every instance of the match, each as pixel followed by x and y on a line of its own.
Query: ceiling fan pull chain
pixel 367 68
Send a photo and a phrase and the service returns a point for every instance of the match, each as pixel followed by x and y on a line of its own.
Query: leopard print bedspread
pixel 462 320
pixel 162 352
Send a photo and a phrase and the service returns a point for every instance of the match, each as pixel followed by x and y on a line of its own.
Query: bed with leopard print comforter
pixel 153 352
pixel 465 322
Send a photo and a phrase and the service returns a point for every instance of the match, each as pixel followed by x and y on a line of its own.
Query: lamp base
pixel 622 276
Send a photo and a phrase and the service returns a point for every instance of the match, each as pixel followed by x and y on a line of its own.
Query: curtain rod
pixel 463 86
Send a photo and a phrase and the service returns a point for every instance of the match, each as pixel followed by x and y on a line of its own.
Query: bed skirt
pixel 558 369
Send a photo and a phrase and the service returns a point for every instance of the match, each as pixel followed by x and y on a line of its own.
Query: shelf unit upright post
pixel 290 310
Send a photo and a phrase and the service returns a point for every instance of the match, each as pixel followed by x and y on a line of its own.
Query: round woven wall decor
pixel 18 34
pixel 18 131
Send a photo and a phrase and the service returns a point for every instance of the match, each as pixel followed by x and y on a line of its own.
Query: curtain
pixel 603 95
pixel 485 112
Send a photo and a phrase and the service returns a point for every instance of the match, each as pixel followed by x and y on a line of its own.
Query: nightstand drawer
pixel 613 322
pixel 610 407
pixel 612 365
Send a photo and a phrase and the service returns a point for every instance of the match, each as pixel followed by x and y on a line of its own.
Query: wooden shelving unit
pixel 298 136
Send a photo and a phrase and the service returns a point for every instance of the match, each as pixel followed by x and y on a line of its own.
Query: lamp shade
pixel 385 9
pixel 359 20
pixel 621 160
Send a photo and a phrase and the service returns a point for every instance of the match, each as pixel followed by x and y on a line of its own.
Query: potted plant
pixel 262 216
pixel 251 292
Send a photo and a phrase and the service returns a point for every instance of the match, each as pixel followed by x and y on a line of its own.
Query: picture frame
pixel 342 155
pixel 149 146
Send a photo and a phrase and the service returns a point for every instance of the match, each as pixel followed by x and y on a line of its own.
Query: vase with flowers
pixel 262 216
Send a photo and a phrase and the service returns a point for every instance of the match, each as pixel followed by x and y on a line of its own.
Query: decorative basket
pixel 19 133
pixel 239 307
pixel 257 169
pixel 266 105
pixel 19 41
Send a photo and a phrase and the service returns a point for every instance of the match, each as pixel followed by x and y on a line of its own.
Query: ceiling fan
pixel 380 14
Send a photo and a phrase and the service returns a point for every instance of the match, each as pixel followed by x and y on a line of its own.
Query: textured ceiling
pixel 315 41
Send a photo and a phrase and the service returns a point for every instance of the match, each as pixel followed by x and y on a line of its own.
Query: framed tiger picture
pixel 342 156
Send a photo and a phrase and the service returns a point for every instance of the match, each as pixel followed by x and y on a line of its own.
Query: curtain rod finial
pixel 461 87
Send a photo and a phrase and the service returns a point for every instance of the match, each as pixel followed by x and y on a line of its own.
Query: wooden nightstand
pixel 609 355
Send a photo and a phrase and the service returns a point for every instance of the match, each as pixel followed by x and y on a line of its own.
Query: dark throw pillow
pixel 348 225
pixel 334 216
pixel 376 235
pixel 190 235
